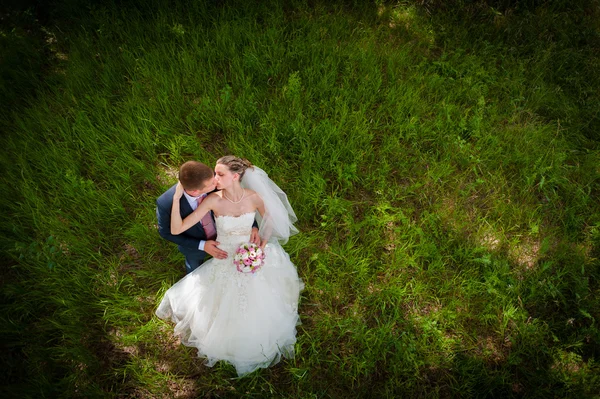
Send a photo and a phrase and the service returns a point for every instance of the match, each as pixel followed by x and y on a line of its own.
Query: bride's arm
pixel 178 226
pixel 260 207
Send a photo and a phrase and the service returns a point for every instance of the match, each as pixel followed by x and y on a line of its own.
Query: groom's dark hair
pixel 192 175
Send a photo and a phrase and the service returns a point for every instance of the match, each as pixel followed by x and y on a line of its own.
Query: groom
pixel 198 180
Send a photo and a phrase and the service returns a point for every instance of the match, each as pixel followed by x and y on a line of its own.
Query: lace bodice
pixel 234 230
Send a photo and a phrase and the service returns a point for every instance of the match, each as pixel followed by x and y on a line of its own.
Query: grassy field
pixel 443 159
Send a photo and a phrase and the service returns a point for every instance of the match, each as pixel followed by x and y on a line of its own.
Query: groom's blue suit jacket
pixel 189 239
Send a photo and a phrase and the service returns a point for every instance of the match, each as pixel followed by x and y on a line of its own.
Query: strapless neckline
pixel 233 216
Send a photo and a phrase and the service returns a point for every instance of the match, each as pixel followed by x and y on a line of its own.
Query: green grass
pixel 442 160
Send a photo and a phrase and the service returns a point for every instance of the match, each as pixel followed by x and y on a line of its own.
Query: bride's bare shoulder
pixel 253 195
pixel 215 196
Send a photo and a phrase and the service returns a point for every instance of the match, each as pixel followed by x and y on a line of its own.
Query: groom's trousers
pixel 193 258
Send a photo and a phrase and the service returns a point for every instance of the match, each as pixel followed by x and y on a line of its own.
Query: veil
pixel 278 221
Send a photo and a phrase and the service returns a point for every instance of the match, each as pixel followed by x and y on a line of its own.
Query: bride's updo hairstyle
pixel 235 164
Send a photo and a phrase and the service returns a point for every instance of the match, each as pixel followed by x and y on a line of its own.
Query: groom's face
pixel 209 185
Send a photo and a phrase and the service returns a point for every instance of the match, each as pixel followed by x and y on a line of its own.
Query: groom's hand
pixel 254 237
pixel 212 248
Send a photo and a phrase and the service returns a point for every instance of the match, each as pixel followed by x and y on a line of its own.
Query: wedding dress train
pixel 248 320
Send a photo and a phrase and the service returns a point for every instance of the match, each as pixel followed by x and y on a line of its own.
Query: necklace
pixel 235 202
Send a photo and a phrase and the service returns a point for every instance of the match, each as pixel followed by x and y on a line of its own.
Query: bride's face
pixel 224 177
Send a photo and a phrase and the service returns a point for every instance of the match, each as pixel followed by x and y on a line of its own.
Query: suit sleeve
pixel 164 229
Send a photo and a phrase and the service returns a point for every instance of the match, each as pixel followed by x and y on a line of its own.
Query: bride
pixel 246 319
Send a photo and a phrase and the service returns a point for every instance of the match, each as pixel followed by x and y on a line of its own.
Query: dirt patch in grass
pixel 167 174
pixel 526 253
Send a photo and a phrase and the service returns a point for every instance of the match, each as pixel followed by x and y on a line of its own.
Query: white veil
pixel 278 221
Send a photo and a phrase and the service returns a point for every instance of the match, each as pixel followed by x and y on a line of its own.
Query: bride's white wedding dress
pixel 248 320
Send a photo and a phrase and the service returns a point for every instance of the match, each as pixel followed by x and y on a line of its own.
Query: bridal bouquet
pixel 248 258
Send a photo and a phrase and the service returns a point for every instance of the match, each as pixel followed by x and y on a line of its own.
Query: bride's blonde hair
pixel 235 164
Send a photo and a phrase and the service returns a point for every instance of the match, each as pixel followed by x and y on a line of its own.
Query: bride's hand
pixel 178 191
pixel 262 243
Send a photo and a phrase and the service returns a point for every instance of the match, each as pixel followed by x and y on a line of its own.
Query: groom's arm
pixel 164 229
pixel 254 236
